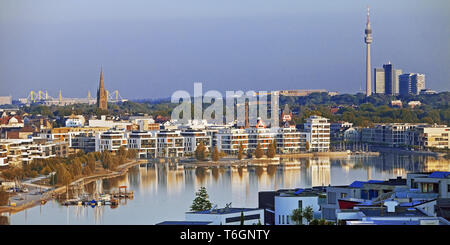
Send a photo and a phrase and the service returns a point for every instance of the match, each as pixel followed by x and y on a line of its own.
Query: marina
pixel 162 192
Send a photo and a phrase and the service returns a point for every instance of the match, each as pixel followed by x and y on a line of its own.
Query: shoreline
pixel 123 169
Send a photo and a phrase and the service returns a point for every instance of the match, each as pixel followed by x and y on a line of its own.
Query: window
pixel 331 197
pixel 238 218
pixel 287 219
pixel 300 204
pixel 283 219
pixel 279 219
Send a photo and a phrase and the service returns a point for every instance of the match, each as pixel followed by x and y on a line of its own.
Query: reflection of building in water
pixel 148 178
pixel 319 171
pixel 432 164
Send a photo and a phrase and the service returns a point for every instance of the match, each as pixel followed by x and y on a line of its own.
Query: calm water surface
pixel 162 192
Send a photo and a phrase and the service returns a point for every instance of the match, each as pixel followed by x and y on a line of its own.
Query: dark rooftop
pixel 224 211
pixel 185 223
pixel 399 212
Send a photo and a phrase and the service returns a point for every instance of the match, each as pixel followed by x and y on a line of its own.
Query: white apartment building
pixel 318 129
pixel 75 121
pixel 228 216
pixel 144 142
pixel 193 138
pixel 170 143
pixel 110 141
pixel 432 136
pixel 229 140
pixel 287 201
pixel 290 140
pixel 23 151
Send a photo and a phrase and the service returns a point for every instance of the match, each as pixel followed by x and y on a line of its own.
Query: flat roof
pixel 399 212
pixel 184 223
pixel 224 211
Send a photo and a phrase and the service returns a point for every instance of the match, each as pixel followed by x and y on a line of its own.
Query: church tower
pixel 102 96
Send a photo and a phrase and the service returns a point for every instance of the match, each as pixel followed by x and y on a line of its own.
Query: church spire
pixel 101 78
pixel 102 95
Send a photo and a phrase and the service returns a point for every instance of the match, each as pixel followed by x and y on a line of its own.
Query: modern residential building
pixel 230 139
pixel 18 152
pixel 144 142
pixel 279 205
pixel 170 143
pixel 318 130
pixel 392 134
pixel 437 183
pixel 407 134
pixel 227 216
pixel 346 197
pixel 110 140
pixel 288 200
pixel 193 138
pixel 337 130
pixel 432 136
pixel 290 140
pixel 84 141
pixel 75 121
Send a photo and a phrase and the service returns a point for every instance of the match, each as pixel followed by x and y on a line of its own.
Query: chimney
pixel 391 206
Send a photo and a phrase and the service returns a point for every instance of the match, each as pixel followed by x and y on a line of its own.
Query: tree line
pixel 75 166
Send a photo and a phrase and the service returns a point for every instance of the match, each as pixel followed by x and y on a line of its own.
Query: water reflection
pixel 165 191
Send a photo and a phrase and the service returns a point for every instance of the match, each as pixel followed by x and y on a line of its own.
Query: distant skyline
pixel 151 48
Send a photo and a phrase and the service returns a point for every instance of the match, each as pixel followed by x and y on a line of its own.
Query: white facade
pixel 144 142
pixel 318 129
pixel 229 140
pixel 75 121
pixel 170 143
pixel 231 217
pixel 193 138
pixel 286 203
pixel 110 141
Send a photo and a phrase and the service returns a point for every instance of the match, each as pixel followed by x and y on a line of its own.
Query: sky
pixel 151 48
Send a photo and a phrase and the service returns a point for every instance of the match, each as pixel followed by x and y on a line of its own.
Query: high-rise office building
pixel 417 83
pixel 411 83
pixel 405 84
pixel 379 83
pixel 391 77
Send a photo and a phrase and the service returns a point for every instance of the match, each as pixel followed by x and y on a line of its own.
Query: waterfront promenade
pixel 35 195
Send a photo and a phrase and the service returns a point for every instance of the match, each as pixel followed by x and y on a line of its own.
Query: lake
pixel 163 192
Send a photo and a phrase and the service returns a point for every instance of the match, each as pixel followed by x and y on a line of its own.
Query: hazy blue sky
pixel 150 48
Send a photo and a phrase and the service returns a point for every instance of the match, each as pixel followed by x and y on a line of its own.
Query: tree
pixel 122 151
pixel 241 151
pixel 215 155
pixel 201 201
pixel 4 197
pixel 308 214
pixel 200 152
pixel 259 152
pixel 132 153
pixel 271 150
pixel 297 216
